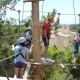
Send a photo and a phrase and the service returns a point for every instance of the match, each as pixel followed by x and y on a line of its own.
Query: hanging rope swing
pixel 74 15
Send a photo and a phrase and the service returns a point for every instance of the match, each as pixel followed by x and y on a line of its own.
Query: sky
pixel 61 6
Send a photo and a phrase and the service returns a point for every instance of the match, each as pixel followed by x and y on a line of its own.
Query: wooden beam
pixel 27 70
pixel 4 78
pixel 42 64
pixel 31 0
pixel 43 75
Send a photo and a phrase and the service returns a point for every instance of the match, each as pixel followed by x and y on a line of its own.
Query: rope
pixel 4 71
pixel 23 11
pixel 5 36
pixel 9 57
pixel 74 13
pixel 42 7
pixel 31 71
pixel 19 52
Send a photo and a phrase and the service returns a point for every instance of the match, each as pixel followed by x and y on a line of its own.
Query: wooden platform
pixel 42 63
pixel 4 78
pixel 35 65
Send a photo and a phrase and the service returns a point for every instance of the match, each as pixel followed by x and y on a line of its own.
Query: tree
pixel 28 22
pixel 3 7
pixel 44 18
pixel 6 2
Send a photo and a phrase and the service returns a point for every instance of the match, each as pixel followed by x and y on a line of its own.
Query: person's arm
pixel 29 37
pixel 55 22
pixel 77 37
pixel 27 54
pixel 45 36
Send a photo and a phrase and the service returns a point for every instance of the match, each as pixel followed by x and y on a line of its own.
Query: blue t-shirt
pixel 27 34
pixel 24 51
pixel 76 46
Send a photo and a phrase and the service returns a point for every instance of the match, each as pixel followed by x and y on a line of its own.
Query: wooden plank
pixel 52 62
pixel 31 0
pixel 27 70
pixel 43 75
pixel 4 78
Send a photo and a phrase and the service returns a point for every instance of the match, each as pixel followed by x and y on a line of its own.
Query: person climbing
pixel 28 35
pixel 76 48
pixel 20 52
pixel 46 33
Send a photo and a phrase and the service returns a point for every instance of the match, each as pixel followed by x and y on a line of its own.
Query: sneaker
pixel 74 66
pixel 47 60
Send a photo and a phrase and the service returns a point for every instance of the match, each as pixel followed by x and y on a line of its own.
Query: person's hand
pixel 13 47
pixel 31 48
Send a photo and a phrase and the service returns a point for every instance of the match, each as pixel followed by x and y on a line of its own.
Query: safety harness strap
pixel 20 53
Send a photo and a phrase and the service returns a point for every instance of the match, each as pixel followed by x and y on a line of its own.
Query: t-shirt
pixel 75 38
pixel 27 34
pixel 24 51
pixel 46 26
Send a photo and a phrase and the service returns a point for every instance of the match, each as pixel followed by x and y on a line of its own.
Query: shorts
pixel 45 43
pixel 19 64
pixel 75 54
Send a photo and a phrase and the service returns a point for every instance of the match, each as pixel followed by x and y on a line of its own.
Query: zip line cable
pixel 74 11
pixel 42 9
pixel 74 14
pixel 23 11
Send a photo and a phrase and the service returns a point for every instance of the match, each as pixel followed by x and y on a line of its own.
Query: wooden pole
pixel 36 31
pixel 36 38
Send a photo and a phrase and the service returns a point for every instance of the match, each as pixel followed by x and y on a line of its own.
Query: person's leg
pixel 21 72
pixel 74 61
pixel 45 52
pixel 16 69
pixel 45 47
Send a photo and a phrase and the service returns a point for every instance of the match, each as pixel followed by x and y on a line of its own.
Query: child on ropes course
pixel 21 57
pixel 46 33
pixel 76 48
pixel 28 36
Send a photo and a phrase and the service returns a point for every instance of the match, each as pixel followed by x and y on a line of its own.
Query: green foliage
pixel 53 13
pixel 9 35
pixel 28 22
pixel 78 30
pixel 64 56
pixel 44 18
pixel 5 2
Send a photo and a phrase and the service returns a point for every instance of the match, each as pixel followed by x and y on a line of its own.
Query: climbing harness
pixel 20 53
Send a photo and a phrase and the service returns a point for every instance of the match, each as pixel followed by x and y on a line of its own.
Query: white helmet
pixel 30 28
pixel 22 40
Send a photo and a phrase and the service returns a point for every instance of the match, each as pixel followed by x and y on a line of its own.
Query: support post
pixel 19 22
pixel 36 31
